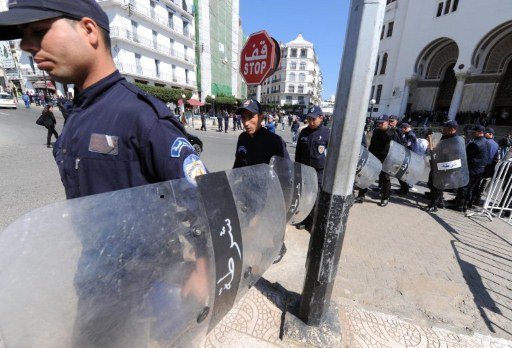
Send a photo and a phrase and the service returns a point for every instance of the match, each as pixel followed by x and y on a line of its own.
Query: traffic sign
pixel 258 58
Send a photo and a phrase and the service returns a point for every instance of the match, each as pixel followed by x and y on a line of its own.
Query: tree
pixel 165 94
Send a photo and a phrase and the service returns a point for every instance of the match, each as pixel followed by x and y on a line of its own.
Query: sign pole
pixel 336 196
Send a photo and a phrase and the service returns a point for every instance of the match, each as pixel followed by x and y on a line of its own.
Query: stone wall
pixel 478 96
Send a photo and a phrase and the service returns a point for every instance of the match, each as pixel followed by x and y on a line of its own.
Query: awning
pixel 40 85
pixel 194 102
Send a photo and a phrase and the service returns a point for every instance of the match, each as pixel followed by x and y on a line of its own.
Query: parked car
pixel 7 101
pixel 196 143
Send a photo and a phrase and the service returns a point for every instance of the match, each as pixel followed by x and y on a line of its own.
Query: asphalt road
pixel 29 177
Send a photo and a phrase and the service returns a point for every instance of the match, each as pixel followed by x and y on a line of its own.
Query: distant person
pixel 49 123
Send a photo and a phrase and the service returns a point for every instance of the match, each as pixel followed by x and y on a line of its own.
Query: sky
pixel 321 22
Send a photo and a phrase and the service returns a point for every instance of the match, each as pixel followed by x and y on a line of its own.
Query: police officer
pixel 494 157
pixel 379 147
pixel 478 155
pixel 116 137
pixel 449 130
pixel 226 121
pixel 407 138
pixel 313 142
pixel 257 144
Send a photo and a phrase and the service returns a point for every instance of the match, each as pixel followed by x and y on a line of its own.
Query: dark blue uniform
pixel 118 137
pixel 312 149
pixel 478 155
pixel 258 149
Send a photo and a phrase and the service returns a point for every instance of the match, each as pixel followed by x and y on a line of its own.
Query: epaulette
pixel 161 110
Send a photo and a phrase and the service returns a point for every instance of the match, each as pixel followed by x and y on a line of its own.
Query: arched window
pixel 384 64
pixel 377 65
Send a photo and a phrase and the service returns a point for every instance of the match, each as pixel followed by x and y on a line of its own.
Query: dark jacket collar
pixel 89 95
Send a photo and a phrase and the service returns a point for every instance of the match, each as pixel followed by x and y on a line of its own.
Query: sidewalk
pixel 406 279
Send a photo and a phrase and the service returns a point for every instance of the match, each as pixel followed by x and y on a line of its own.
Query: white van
pixel 7 101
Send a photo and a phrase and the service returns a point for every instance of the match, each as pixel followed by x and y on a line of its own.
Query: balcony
pixel 149 13
pixel 139 71
pixel 121 33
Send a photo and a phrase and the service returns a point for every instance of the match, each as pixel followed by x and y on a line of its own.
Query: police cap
pixel 28 11
pixel 250 105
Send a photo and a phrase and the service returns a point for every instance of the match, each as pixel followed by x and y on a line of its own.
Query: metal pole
pixel 258 93
pixel 331 212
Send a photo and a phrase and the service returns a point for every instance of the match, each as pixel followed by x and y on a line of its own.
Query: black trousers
pixel 51 131
pixel 203 124
pixel 465 194
pixel 404 187
pixel 385 185
pixel 220 124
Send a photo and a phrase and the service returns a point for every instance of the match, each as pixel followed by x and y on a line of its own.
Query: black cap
pixel 393 118
pixel 405 125
pixel 489 131
pixel 315 111
pixel 29 11
pixel 451 124
pixel 250 105
pixel 383 118
pixel 479 128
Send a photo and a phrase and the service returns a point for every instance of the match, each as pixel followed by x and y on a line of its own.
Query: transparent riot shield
pixel 300 187
pixel 368 169
pixel 404 164
pixel 449 164
pixel 153 265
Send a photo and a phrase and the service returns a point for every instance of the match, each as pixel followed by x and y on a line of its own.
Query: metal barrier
pixel 498 202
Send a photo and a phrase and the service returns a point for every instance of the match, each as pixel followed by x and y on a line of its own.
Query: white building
pixel 445 55
pixel 153 41
pixel 298 81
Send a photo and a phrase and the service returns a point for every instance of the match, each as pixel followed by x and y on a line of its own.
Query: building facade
pixel 219 42
pixel 444 55
pixel 298 80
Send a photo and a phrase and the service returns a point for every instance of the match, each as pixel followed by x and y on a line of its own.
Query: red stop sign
pixel 258 57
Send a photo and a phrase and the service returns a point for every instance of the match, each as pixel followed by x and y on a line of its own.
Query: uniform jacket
pixel 118 137
pixel 379 144
pixel 258 149
pixel 312 147
pixel 478 154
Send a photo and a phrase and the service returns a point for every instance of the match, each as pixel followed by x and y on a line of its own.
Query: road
pixel 29 177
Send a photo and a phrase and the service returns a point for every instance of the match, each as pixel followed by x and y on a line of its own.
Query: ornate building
pixel 445 55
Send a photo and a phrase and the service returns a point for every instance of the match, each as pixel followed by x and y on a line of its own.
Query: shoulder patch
pixel 242 149
pixel 193 167
pixel 178 145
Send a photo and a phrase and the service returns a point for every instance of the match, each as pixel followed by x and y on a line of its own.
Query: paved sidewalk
pixel 406 279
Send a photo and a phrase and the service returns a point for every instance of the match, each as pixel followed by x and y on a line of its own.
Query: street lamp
pixel 372 103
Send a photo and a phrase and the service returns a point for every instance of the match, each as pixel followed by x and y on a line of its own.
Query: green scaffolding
pixel 221 30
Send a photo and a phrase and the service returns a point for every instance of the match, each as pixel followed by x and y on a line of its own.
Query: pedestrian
pixel 116 137
pixel 220 121
pixel 505 144
pixel 295 131
pixel 238 122
pixel 203 121
pixel 478 157
pixel 257 145
pixel 282 122
pixel 226 121
pixel 312 150
pixel 49 123
pixel 26 100
pixel 271 125
pixel 449 130
pixel 494 158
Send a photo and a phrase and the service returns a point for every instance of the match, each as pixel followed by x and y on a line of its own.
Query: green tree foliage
pixel 164 93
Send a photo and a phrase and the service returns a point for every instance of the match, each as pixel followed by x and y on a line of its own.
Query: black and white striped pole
pixel 336 196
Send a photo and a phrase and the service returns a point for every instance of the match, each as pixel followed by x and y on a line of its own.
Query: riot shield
pixel 153 265
pixel 449 164
pixel 404 164
pixel 368 169
pixel 300 187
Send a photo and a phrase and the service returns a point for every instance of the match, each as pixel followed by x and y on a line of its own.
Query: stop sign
pixel 258 56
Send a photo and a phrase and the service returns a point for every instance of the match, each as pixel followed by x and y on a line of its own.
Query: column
pixel 405 96
pixel 457 96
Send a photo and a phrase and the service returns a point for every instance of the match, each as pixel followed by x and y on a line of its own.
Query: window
pixel 174 73
pixel 157 67
pixel 302 77
pixel 185 53
pixel 293 65
pixel 302 66
pixel 384 64
pixel 135 25
pixel 301 99
pixel 382 32
pixel 377 66
pixel 292 77
pixel 171 43
pixel 291 89
pixel 293 53
pixel 152 7
pixel 455 5
pixel 379 93
pixel 372 92
pixel 439 9
pixel 300 89
pixel 138 64
pixel 155 40
pixel 289 99
pixel 185 28
pixel 390 29
pixel 389 1
pixel 447 6
pixel 186 76
pixel 170 19
pixel 303 52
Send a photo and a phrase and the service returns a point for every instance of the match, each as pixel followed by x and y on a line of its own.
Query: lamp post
pixel 372 103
